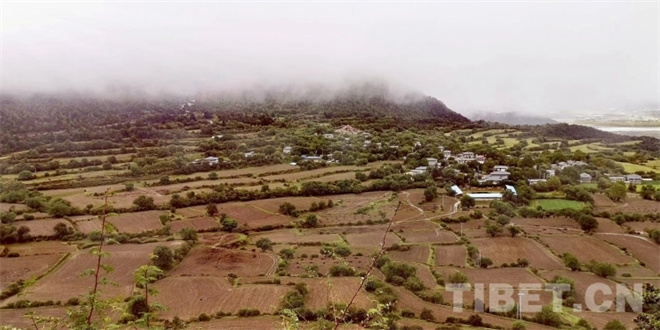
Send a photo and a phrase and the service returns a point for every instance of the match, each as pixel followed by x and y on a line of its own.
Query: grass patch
pixel 632 168
pixel 557 204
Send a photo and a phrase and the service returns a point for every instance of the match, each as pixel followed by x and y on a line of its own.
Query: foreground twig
pixel 98 261
pixel 371 267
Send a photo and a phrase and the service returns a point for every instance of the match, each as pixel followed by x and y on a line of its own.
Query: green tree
pixel 458 278
pixel 227 223
pixel 211 209
pixel 144 203
pixel 647 192
pixel 486 262
pixel 514 230
pixel 604 184
pixel 163 257
pixel 548 317
pixel 287 209
pixel 427 315
pixel 25 175
pixel 287 253
pixel 264 244
pixel 431 192
pixel 311 221
pixel 650 316
pixel 342 251
pixel 144 276
pixel 61 230
pixel 654 234
pixel 7 217
pixel 467 202
pixel 493 229
pixel 602 269
pixel 188 234
pixel 571 261
pixel 617 191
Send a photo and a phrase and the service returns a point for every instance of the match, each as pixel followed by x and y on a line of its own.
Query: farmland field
pixel 206 261
pixel 586 248
pixel 41 227
pixel 23 268
pixel 187 296
pixel 557 204
pixel 198 224
pixel 136 222
pixel 640 248
pixel 450 255
pixel 66 281
pixel 508 250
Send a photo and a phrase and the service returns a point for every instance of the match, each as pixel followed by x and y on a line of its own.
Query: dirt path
pixel 272 268
pixel 628 235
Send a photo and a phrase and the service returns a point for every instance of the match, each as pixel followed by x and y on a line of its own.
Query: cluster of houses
pixel 485 196
pixel 628 179
pixel 499 174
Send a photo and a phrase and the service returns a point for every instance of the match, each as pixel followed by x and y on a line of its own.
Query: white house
pixel 315 159
pixel 585 178
pixel 329 136
pixel 249 154
pixel 634 178
pixel 287 150
pixel 535 181
pixel 211 160
pixel 500 168
pixel 418 170
pixel 447 154
pixel 417 144
pixel 433 162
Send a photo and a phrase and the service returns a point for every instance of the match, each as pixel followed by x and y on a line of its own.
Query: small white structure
pixel 418 170
pixel 433 162
pixel 447 154
pixel 535 181
pixel 500 168
pixel 249 154
pixel 315 159
pixel 585 178
pixel 217 137
pixel 286 150
pixel 329 136
pixel 634 178
pixel 417 144
pixel 212 160
pixel 457 191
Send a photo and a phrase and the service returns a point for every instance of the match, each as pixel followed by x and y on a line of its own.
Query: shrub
pixel 340 270
pixel 518 325
pixel 407 313
pixel 427 315
pixel 458 278
pixel 614 325
pixel 248 312
pixel 342 251
pixel 204 317
pixel 547 317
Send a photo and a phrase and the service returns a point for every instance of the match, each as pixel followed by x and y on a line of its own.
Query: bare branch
pixel 371 267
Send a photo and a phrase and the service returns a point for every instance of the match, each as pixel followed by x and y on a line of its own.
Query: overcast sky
pixel 478 56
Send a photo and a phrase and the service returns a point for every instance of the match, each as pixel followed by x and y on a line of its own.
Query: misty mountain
pixel 512 118
pixel 370 99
